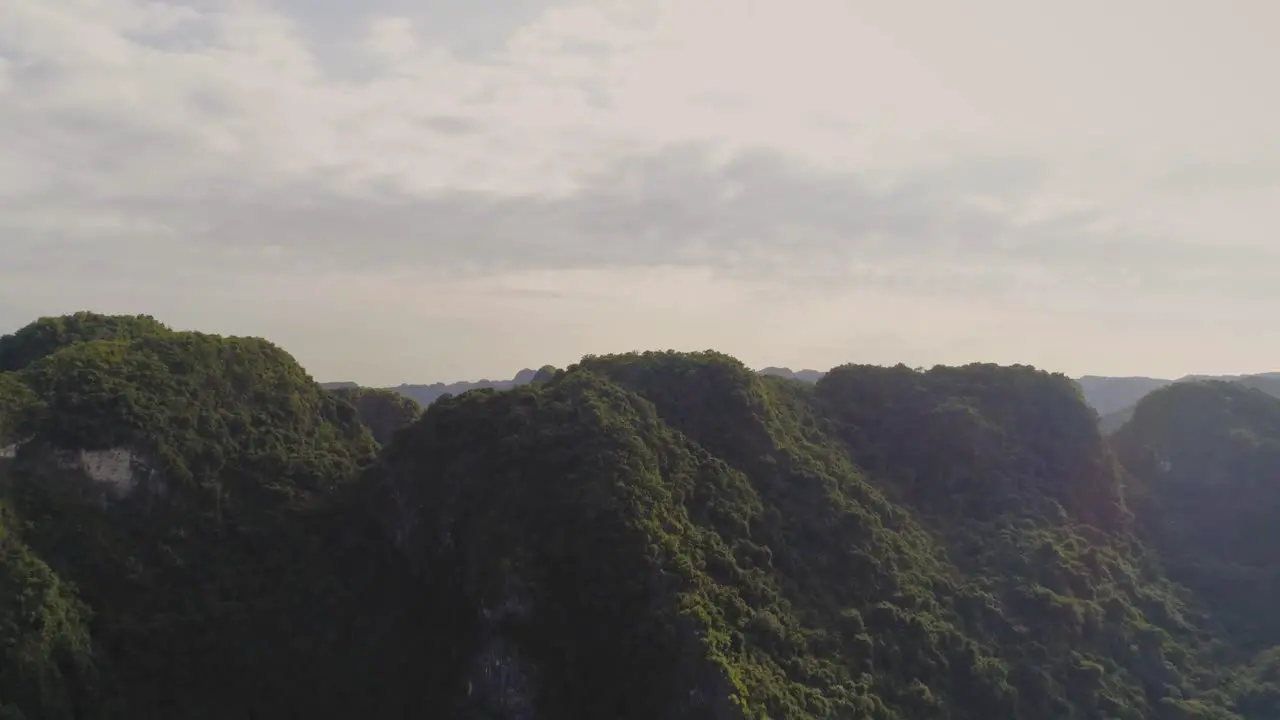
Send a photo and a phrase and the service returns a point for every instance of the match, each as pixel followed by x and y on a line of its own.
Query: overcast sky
pixel 421 190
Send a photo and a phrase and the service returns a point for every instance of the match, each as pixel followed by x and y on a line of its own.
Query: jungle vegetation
pixel 636 536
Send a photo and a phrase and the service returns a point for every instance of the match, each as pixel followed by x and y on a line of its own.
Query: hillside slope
pixel 179 505
pixel 1266 382
pixel 384 412
pixel 424 395
pixel 702 540
pixel 1109 395
pixel 1206 460
pixel 191 528
pixel 1205 457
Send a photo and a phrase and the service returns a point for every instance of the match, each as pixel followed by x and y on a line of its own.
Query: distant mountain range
pixel 427 394
pixel 1113 394
pixel 803 375
pixel 1114 398
pixel 191 528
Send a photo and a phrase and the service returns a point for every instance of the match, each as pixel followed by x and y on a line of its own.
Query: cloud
pixel 967 227
pixel 1224 176
pixel 678 206
pixel 532 158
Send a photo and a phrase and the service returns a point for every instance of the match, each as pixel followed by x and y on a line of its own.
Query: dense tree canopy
pixel 1206 463
pixel 198 558
pixel 384 412
pixel 190 527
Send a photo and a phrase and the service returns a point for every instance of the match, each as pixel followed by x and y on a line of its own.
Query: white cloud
pixel 671 170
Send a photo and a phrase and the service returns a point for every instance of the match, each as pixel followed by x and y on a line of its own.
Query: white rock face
pixel 116 468
pixel 110 466
pixel 9 451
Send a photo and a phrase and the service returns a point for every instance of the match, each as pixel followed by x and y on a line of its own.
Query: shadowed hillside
pixel 173 508
pixel 1206 460
pixel 190 527
pixel 384 412
pixel 1117 398
pixel 1110 395
pixel 764 566
pixel 1206 463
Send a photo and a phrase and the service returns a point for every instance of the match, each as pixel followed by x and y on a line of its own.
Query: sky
pixel 437 190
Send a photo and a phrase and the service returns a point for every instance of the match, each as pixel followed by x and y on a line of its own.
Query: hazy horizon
pixel 509 374
pixel 416 192
pixel 500 376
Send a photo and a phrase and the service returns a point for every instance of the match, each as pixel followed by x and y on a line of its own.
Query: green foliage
pixel 206 566
pixel 691 529
pixel 384 412
pixel 17 402
pixel 979 441
pixel 49 334
pixel 1205 459
pixel 46 661
pixel 546 373
pixel 636 536
pixel 1113 420
pixel 524 559
pixel 1257 688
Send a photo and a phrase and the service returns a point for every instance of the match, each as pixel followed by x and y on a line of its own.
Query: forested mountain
pixel 801 375
pixel 1109 395
pixel 426 394
pixel 1205 461
pixel 1201 453
pixel 178 535
pixel 1114 398
pixel 191 527
pixel 1266 382
pixel 382 411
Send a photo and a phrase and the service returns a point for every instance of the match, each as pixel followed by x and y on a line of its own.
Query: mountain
pixel 1113 397
pixel 426 394
pixel 1267 382
pixel 192 527
pixel 801 375
pixel 384 412
pixel 1109 395
pixel 712 543
pixel 1205 459
pixel 177 535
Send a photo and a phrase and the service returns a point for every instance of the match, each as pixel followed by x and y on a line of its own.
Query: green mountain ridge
pixel 1266 382
pixel 191 527
pixel 181 489
pixel 1114 398
pixel 1110 395
pixel 426 394
pixel 1200 452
